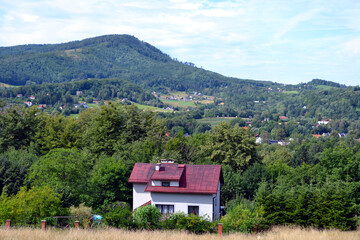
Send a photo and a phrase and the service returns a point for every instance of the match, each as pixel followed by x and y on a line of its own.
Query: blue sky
pixel 286 41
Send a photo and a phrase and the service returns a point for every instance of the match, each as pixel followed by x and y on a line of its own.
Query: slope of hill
pixel 111 56
pixel 125 57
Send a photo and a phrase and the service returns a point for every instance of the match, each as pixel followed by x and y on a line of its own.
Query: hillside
pixel 112 56
pixel 129 59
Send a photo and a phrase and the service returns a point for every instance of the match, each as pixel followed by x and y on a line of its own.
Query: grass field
pixel 7 85
pixel 181 104
pixel 279 233
pixel 291 92
pixel 215 121
pixel 151 108
pixel 324 87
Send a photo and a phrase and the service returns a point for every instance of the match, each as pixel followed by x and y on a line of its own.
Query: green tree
pixel 108 183
pixel 14 166
pixel 64 170
pixel 230 146
pixel 30 206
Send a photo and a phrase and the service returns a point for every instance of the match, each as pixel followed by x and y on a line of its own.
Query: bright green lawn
pixel 182 104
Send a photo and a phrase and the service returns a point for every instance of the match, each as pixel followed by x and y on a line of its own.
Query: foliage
pixel 243 216
pixel 108 182
pixel 118 214
pixel 147 217
pixel 30 206
pixel 14 166
pixel 191 223
pixel 82 214
pixel 65 171
pixel 230 146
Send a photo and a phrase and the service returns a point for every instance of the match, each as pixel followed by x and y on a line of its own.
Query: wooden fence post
pixel 8 224
pixel 220 228
pixel 43 224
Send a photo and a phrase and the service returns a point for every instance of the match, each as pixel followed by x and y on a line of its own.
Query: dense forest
pixel 290 154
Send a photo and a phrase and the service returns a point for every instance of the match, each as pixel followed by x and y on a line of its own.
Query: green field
pixel 291 92
pixel 93 105
pixel 181 104
pixel 151 108
pixel 215 121
pixel 324 87
pixel 4 85
pixel 358 109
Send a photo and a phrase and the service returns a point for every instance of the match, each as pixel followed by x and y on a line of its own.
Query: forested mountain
pixel 112 56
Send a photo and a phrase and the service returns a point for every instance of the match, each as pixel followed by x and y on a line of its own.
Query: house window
pixel 165 184
pixel 165 209
pixel 193 210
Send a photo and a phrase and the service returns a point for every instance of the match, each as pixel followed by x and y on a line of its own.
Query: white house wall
pixel 182 201
pixel 139 195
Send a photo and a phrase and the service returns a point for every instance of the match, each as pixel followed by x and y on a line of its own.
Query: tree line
pixel 87 160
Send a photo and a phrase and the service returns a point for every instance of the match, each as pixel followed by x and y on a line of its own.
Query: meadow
pixel 277 233
pixel 215 121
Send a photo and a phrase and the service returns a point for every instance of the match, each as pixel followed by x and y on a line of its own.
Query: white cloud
pixel 352 47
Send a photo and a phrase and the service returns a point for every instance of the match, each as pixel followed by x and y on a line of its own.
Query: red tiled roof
pixel 141 173
pixel 169 172
pixel 194 179
pixel 316 136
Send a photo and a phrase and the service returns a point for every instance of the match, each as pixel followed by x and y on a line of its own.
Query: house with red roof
pixel 171 187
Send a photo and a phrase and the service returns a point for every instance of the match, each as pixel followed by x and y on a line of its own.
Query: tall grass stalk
pixel 278 233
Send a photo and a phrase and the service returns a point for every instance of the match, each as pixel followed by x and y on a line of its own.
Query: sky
pixel 285 41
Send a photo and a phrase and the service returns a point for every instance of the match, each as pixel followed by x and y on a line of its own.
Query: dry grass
pixel 279 233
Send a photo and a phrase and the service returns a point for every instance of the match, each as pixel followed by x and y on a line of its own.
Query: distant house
pixel 323 122
pixel 19 95
pixel 29 104
pixel 96 100
pixel 191 189
pixel 283 118
pixel 316 135
pixel 79 93
pixel 40 106
pixel 32 97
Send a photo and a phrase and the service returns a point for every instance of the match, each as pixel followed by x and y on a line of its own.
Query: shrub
pixel 243 217
pixel 30 206
pixel 191 223
pixel 119 215
pixel 82 214
pixel 147 217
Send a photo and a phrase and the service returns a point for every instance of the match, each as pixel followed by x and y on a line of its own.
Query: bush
pixel 30 206
pixel 147 217
pixel 119 215
pixel 243 217
pixel 82 214
pixel 191 223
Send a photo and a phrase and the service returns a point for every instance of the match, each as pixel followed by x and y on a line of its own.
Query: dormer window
pixel 165 184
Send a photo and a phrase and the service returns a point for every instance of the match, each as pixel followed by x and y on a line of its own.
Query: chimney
pixel 157 167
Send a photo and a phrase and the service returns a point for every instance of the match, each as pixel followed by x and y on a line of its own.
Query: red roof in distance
pixel 193 179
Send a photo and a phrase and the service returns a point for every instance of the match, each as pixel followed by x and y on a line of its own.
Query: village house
pixel 28 103
pixel 191 189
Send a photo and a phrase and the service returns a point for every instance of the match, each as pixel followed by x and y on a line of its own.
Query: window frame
pixel 165 184
pixel 195 209
pixel 166 208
